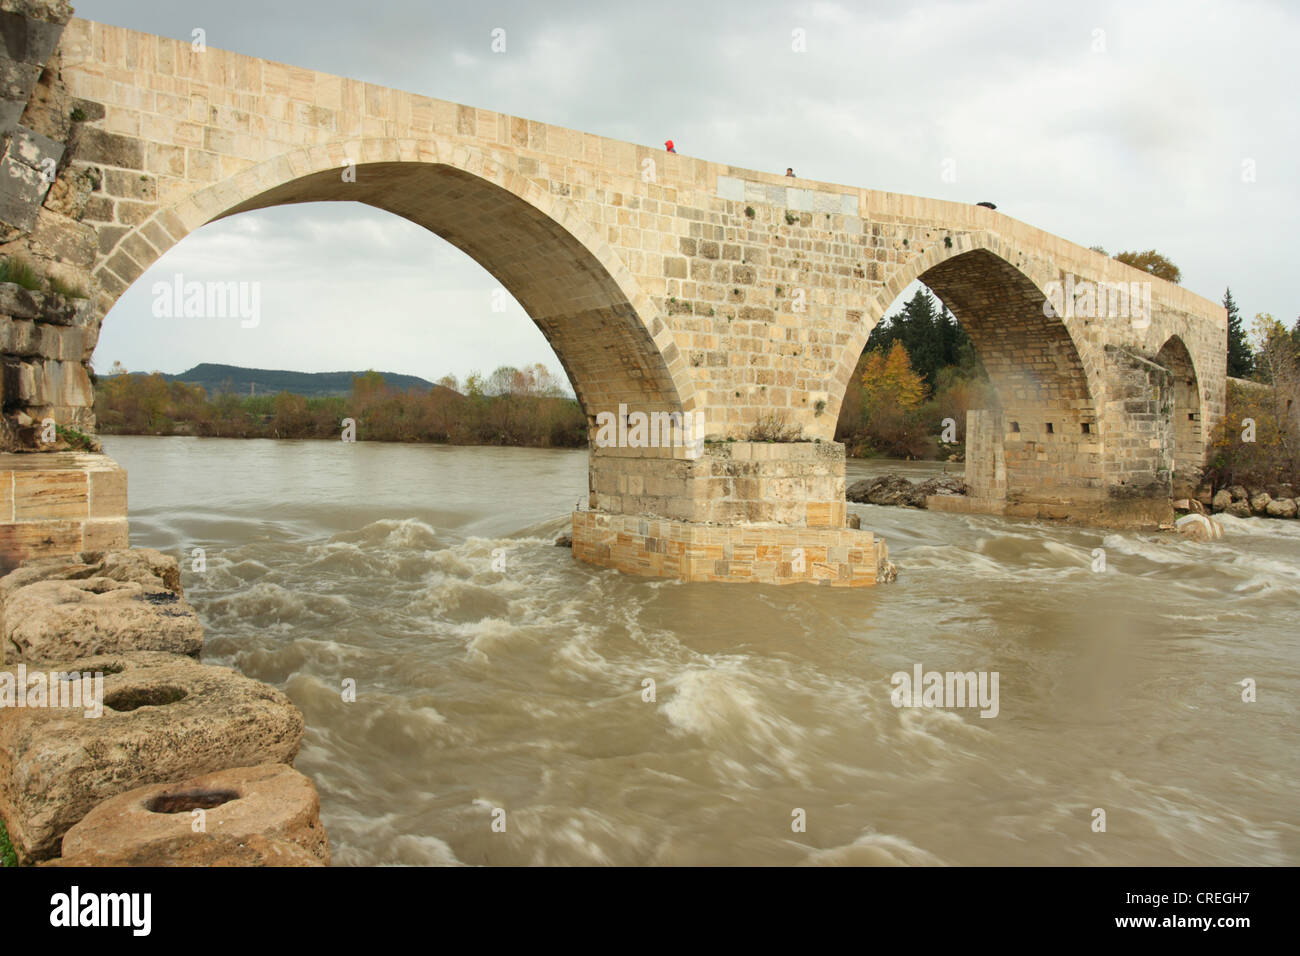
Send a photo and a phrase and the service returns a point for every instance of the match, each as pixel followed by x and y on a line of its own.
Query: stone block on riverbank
pixel 142 565
pixel 163 719
pixel 156 822
pixel 64 620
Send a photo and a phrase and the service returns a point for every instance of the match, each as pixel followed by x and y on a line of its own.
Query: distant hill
pixel 262 381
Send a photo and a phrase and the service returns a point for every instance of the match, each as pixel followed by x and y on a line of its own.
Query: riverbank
pixel 1241 501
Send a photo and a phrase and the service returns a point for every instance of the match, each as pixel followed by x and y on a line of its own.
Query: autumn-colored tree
pixel 1153 263
pixel 888 378
pixel 892 395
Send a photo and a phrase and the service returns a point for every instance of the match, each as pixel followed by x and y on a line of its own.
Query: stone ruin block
pixel 155 823
pixel 96 603
pixel 163 719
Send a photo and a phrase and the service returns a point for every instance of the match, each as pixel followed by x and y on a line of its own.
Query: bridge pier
pixel 59 503
pixel 769 512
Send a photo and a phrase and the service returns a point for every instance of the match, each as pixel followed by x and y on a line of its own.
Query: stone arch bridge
pixel 737 299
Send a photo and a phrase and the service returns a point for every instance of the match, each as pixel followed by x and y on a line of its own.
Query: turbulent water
pixel 480 690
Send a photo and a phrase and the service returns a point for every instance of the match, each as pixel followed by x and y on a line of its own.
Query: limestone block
pixel 37 151
pixel 19 337
pixel 17 302
pixel 165 719
pixel 24 191
pixel 17 80
pixel 93 145
pixel 105 534
pixel 141 565
pixel 272 801
pixel 31 38
pixel 56 620
pixel 20 382
pixel 62 383
pixel 61 342
pixel 63 239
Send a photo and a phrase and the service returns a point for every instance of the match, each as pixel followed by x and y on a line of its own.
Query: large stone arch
pixel 1045 376
pixel 1184 404
pixel 606 332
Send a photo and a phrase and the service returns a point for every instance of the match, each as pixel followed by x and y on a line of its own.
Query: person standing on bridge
pixel 789 171
pixel 668 145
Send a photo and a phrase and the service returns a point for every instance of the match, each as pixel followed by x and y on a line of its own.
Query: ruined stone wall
pixel 47 333
pixel 46 341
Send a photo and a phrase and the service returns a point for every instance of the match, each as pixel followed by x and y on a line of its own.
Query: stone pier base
pixel 59 503
pixel 686 551
pixel 1143 514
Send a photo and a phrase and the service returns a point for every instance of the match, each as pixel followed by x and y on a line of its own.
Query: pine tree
pixel 930 334
pixel 1241 362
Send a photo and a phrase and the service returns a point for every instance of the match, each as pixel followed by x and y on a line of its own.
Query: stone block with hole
pixel 165 718
pixel 210 850
pixel 63 620
pixel 272 801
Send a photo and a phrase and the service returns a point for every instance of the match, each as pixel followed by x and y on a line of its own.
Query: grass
pixel 16 270
pixel 774 428
pixel 7 855
pixel 66 289
pixel 75 438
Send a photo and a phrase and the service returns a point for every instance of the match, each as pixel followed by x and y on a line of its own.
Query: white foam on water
pixel 726 709
pixel 873 849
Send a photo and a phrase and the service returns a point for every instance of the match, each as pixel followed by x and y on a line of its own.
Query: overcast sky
pixel 1128 124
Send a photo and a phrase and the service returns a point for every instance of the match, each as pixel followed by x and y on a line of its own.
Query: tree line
pixel 524 407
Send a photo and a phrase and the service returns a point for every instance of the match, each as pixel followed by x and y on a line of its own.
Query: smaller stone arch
pixel 1181 397
pixel 1047 430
